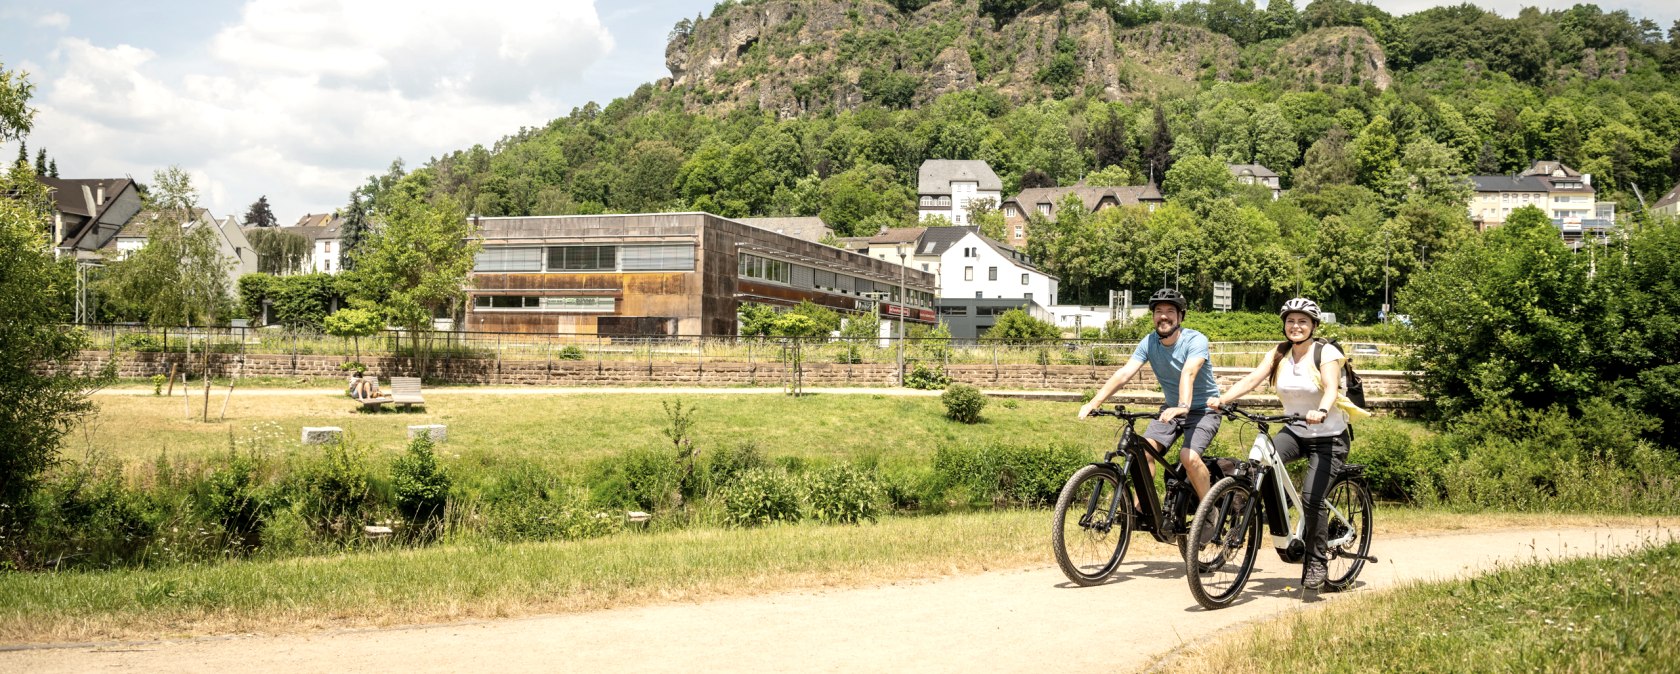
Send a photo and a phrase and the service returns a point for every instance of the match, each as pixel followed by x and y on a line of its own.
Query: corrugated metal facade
pixel 629 274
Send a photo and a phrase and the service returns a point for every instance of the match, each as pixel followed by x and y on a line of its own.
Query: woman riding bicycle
pixel 1314 394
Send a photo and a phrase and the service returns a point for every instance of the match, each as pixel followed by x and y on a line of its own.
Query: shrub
pixel 761 497
pixel 233 496
pixel 140 341
pixel 728 464
pixel 1017 327
pixel 420 485
pixel 963 403
pixel 334 492
pixel 158 381
pixel 570 352
pixel 844 494
pixel 926 378
pixel 527 503
pixel 639 479
pixel 993 474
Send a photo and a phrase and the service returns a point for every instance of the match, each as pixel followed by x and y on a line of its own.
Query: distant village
pixel 688 273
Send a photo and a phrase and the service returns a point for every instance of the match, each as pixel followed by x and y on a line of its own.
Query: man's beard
pixel 1167 331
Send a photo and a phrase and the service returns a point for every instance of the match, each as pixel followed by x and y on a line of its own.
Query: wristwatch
pixel 1323 411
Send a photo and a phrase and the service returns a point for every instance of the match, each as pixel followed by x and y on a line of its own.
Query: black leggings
pixel 1324 459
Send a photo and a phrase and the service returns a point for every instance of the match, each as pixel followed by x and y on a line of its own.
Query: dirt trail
pixel 1016 621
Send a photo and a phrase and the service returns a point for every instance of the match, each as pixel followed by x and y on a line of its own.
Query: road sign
pixel 1222 296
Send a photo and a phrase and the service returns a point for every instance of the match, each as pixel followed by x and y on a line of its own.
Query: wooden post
pixel 238 369
pixel 206 380
pixel 171 392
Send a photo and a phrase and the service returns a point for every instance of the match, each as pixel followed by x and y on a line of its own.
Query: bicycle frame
pixel 1138 453
pixel 1282 499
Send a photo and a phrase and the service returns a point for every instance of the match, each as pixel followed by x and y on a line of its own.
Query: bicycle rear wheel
pixel 1353 500
pixel 1093 525
pixel 1219 568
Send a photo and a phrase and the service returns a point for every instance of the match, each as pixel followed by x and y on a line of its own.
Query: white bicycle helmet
pixel 1302 305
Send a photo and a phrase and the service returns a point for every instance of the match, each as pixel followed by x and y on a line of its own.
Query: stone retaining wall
pixel 693 373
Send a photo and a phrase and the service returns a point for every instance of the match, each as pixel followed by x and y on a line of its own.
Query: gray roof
pixel 936 175
pixel 1545 168
pixel 1093 197
pixel 1673 196
pixel 1251 169
pixel 1507 184
pixel 807 228
pixel 937 240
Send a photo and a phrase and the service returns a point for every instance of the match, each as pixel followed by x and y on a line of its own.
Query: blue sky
pixel 301 100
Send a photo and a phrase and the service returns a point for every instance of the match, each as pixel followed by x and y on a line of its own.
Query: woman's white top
pixel 1300 393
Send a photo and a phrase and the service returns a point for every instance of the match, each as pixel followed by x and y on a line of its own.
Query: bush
pixel 639 479
pixel 728 464
pixel 995 475
pixel 761 497
pixel 926 378
pixel 845 494
pixel 233 495
pixel 963 403
pixel 139 341
pixel 334 493
pixel 528 504
pixel 1017 327
pixel 570 352
pixel 420 485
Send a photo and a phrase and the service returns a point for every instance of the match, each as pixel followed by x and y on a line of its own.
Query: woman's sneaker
pixel 1312 576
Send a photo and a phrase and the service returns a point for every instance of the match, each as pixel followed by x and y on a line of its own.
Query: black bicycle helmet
pixel 1170 296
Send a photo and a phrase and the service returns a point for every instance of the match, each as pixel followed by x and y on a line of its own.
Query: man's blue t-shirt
pixel 1168 364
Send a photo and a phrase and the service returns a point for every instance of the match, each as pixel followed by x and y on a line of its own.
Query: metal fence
pixel 509 346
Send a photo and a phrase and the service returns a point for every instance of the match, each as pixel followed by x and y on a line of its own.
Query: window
pixel 968 273
pixel 1024 279
pixel 978 294
pixel 1019 233
pixel 954 311
pixel 1044 209
pixel 504 259
pixel 1009 211
pixel 664 257
pixel 1028 296
pixel 924 266
pixel 582 258
pixel 991 273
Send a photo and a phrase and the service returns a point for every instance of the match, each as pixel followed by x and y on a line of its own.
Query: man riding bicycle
pixel 1179 358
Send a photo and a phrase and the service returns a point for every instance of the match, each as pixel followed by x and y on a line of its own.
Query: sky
pixel 301 100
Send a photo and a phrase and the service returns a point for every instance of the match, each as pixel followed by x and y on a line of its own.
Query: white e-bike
pixel 1259 493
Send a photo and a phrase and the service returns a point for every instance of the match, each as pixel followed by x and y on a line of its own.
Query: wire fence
pixel 656 349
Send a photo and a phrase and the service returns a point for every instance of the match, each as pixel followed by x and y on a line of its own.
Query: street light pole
pixel 1385 308
pixel 902 303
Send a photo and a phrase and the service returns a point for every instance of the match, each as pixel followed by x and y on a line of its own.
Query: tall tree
pixel 1158 157
pixel 353 232
pixel 414 267
pixel 41 162
pixel 259 215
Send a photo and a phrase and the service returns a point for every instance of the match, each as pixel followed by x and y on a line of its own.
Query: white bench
pixel 405 391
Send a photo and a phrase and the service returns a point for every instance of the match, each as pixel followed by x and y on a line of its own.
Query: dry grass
pixel 482 581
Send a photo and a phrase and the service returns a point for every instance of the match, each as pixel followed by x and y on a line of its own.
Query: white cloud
pixel 302 99
pixel 58 20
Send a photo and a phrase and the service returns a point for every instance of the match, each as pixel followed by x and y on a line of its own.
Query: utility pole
pixel 902 309
pixel 1176 255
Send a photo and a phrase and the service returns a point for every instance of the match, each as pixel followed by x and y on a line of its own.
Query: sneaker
pixel 1312 577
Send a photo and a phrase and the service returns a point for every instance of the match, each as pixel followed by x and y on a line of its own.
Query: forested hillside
pixel 826 107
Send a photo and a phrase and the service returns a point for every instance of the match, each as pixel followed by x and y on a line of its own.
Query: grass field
pixel 486 580
pixel 1619 614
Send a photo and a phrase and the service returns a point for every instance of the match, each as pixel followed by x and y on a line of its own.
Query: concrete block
pixel 321 435
pixel 439 432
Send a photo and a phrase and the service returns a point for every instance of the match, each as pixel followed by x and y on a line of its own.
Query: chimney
pixel 1587 179
pixel 101 199
pixel 87 197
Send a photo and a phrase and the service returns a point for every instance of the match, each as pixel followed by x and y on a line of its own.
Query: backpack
pixel 1352 386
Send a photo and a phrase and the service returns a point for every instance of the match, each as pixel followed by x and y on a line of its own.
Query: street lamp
pixel 1385 277
pixel 902 253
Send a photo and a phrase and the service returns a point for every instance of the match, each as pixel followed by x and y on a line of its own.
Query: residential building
pixel 1255 174
pixel 88 213
pixel 946 187
pixel 966 263
pixel 668 274
pixel 1018 210
pixel 811 229
pixel 235 250
pixel 1565 195
pixel 1668 206
pixel 326 245
pixel 968 318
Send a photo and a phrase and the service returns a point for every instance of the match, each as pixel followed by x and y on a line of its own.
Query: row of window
pixel 545 304
pixel 591 258
pixel 992 275
pixel 962 310
pixel 801 276
pixel 936 202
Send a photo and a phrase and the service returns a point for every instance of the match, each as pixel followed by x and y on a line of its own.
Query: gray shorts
pixel 1197 427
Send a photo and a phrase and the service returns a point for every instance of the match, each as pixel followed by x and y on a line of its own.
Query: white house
pixel 1255 174
pixel 325 245
pixel 974 266
pixel 946 187
pixel 230 240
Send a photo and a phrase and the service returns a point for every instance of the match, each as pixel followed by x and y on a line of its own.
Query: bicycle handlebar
pixel 1233 411
pixel 1121 413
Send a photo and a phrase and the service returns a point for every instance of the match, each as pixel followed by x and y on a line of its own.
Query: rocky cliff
pixel 797 56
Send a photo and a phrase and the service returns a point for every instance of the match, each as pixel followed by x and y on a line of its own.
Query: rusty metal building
pixel 667 274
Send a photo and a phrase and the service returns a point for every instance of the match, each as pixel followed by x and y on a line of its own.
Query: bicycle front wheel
pixel 1222 543
pixel 1349 533
pixel 1093 525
